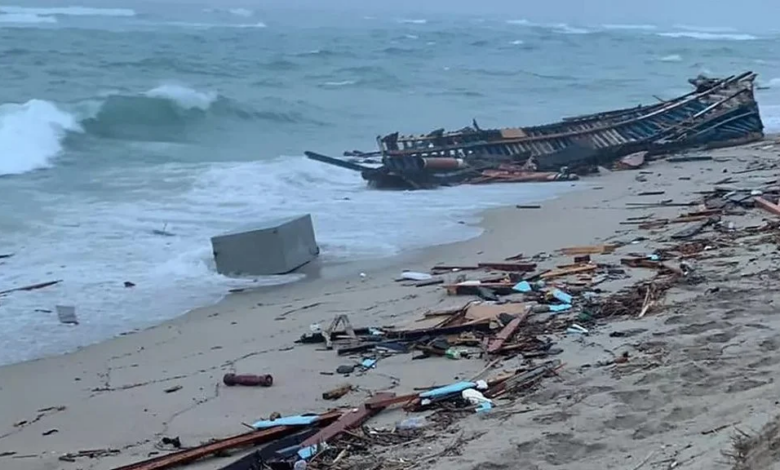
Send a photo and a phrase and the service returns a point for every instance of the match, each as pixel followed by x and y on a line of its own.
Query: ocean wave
pixel 562 28
pixel 182 24
pixel 413 21
pixel 31 135
pixel 706 29
pixel 371 76
pixel 517 42
pixel 25 18
pixel 185 97
pixel 566 29
pixel 66 11
pixel 705 36
pixel 241 12
pixel 340 84
pixel 773 83
pixel 671 58
pixel 630 27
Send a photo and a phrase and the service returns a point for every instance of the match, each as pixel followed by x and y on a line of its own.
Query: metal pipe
pixel 442 163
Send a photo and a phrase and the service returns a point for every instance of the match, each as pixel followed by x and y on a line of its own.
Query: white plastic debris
pixel 415 276
pixel 475 397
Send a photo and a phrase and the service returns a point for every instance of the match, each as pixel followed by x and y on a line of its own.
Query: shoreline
pixel 124 380
pixel 314 272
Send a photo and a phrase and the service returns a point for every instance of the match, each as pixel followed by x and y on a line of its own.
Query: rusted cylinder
pixel 440 163
pixel 248 380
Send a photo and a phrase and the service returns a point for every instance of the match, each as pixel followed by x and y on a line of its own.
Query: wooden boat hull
pixel 718 111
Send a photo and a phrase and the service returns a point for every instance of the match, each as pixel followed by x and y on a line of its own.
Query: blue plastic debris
pixel 448 389
pixel 522 286
pixel 559 308
pixel 306 453
pixel 368 363
pixel 298 420
pixel 562 296
pixel 654 257
pixel 484 407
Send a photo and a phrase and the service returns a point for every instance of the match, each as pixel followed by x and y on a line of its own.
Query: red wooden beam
pixel 495 344
pixel 252 438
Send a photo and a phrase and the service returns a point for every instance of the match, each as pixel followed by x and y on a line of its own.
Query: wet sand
pixel 704 360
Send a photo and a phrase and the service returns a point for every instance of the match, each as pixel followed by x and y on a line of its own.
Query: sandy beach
pixel 702 364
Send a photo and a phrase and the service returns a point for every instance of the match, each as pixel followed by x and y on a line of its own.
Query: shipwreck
pixel 718 112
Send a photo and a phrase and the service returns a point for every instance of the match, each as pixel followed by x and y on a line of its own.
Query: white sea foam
pixel 241 12
pixel 340 84
pixel 413 21
pixel 31 135
pixel 25 19
pixel 706 29
pixel 671 58
pixel 183 96
pixel 517 42
pixel 183 24
pixel 566 29
pixel 563 28
pixel 705 36
pixel 630 27
pixel 770 113
pixel 97 246
pixel 66 11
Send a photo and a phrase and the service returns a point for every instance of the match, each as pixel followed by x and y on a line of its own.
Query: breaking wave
pixel 241 12
pixel 671 58
pixel 707 36
pixel 706 29
pixel 66 11
pixel 32 134
pixel 165 113
pixel 563 28
pixel 630 27
pixel 183 24
pixel 413 21
pixel 185 97
pixel 25 18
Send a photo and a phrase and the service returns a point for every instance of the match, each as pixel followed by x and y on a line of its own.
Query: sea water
pixel 130 136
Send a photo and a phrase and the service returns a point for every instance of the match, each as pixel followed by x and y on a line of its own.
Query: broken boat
pixel 718 112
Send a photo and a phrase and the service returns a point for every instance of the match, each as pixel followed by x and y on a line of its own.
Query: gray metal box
pixel 273 247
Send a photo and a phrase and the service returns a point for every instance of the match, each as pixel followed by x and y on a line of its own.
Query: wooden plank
pixel 497 342
pixel 767 206
pixel 588 250
pixel 509 267
pixel 553 273
pixel 351 419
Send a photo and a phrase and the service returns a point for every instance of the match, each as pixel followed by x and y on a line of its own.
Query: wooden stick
pixel 31 287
